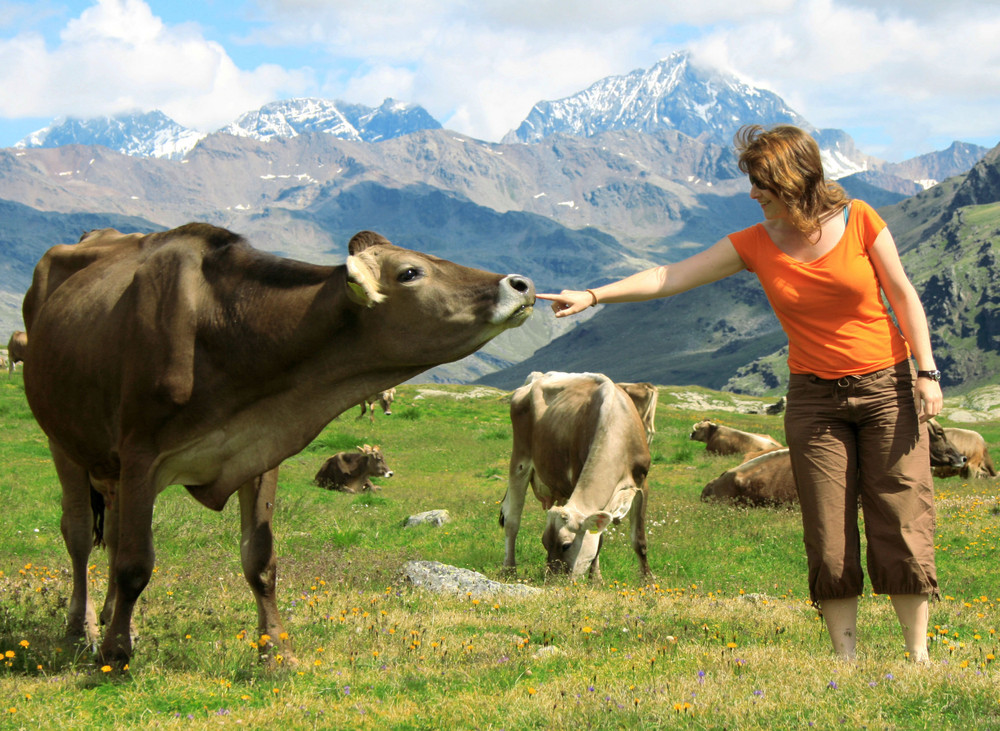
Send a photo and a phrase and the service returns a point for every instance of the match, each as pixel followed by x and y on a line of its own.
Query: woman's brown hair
pixel 785 161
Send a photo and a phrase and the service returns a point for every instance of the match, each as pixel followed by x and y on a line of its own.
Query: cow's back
pixel 563 416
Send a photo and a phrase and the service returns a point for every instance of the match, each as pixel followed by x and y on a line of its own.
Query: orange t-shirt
pixel 831 308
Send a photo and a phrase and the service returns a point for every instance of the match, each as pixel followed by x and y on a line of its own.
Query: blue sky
pixel 903 77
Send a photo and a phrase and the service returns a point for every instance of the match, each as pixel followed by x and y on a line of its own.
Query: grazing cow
pixel 765 479
pixel 579 442
pixel 727 440
pixel 644 396
pixel 946 458
pixel 383 399
pixel 187 357
pixel 17 346
pixel 972 447
pixel 352 471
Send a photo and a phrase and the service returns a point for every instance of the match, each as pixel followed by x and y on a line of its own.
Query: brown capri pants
pixel 860 436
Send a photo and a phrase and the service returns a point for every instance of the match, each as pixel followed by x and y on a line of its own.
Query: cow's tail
pixel 97 507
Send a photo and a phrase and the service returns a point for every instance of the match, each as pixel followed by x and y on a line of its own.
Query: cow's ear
pixel 621 503
pixel 362 280
pixel 364 239
pixel 597 522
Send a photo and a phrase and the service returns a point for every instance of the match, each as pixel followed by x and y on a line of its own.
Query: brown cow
pixel 727 440
pixel 188 357
pixel 17 346
pixel 971 445
pixel 383 399
pixel 352 471
pixel 946 458
pixel 763 480
pixel 579 442
pixel 766 478
pixel 644 396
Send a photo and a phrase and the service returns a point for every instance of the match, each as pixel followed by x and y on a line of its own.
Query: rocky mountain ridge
pixel 567 210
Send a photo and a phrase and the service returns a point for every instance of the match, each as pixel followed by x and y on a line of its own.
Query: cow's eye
pixel 566 547
pixel 409 274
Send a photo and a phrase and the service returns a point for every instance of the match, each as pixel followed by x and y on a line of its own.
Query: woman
pixel 854 414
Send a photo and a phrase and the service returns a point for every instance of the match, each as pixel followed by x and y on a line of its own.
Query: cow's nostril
pixel 520 284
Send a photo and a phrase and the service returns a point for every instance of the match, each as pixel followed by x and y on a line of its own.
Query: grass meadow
pixel 723 637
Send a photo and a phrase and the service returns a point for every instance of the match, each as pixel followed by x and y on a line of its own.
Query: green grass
pixel 723 637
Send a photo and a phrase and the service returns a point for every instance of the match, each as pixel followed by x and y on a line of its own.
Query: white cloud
pixel 920 76
pixel 915 70
pixel 117 56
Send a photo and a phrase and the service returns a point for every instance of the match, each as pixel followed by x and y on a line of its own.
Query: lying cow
pixel 644 396
pixel 579 442
pixel 383 399
pixel 946 458
pixel 766 478
pixel 727 440
pixel 972 447
pixel 762 480
pixel 188 357
pixel 17 346
pixel 352 471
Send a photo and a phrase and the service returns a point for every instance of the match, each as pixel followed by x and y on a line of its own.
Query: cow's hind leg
pixel 513 505
pixel 260 565
pixel 77 527
pixel 637 521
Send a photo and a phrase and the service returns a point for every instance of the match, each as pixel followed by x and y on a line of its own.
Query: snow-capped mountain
pixel 293 117
pixel 679 94
pixel 154 134
pixel 139 134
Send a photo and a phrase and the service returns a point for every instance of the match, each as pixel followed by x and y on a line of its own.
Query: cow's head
pixel 701 431
pixel 572 539
pixel 943 452
pixel 430 310
pixel 376 461
pixel 385 399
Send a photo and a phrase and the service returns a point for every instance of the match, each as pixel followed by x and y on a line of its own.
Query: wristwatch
pixel 934 375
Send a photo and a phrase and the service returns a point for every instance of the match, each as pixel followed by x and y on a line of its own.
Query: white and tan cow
pixel 187 357
pixel 720 439
pixel 352 471
pixel 580 444
pixel 17 346
pixel 383 399
pixel 970 444
pixel 644 396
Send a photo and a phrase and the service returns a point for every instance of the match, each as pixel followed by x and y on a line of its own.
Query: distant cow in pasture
pixel 765 478
pixel 580 444
pixel 17 347
pixel 721 439
pixel 971 445
pixel 187 357
pixel 945 455
pixel 383 399
pixel 644 396
pixel 352 471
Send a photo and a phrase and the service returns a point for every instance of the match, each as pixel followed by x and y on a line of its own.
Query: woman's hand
pixel 929 398
pixel 569 301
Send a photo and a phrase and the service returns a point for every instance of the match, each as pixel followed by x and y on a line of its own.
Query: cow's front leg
pixel 513 505
pixel 260 565
pixel 77 525
pixel 133 557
